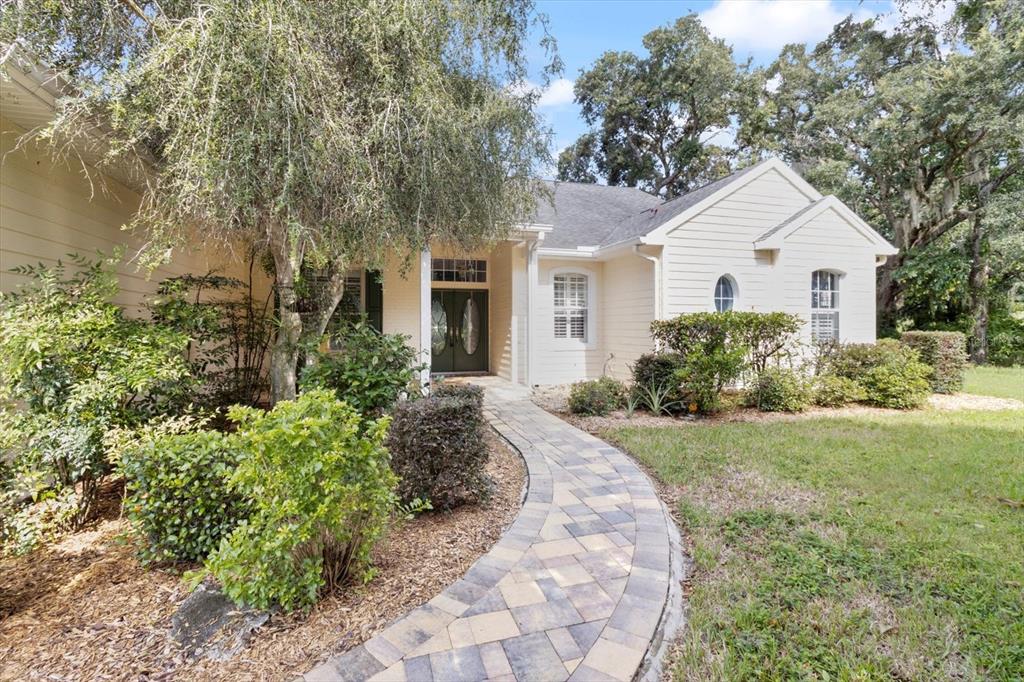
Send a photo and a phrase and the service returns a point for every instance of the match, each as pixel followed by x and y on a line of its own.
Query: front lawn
pixel 1001 382
pixel 864 546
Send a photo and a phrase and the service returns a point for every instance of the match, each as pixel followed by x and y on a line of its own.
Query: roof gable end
pixel 776 237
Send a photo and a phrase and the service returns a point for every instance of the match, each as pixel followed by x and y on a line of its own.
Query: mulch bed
pixel 84 609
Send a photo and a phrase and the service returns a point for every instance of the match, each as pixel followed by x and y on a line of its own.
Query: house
pixel 570 297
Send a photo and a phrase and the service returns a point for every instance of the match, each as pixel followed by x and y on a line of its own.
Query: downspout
pixel 657 284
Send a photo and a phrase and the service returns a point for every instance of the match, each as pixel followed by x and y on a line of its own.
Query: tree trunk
pixel 979 290
pixel 888 293
pixel 284 356
pixel 316 323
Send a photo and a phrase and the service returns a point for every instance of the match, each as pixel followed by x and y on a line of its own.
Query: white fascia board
pixel 776 240
pixel 658 235
pixel 554 252
pixel 533 227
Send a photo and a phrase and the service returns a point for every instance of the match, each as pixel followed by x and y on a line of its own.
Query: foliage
pixel 658 398
pixel 717 347
pixel 320 491
pixel 777 389
pixel 1006 340
pixel 177 493
pixel 229 334
pixel 80 367
pixel 368 370
pixel 597 397
pixel 333 132
pixel 657 372
pixel 25 526
pixel 793 573
pixel 438 447
pixel 890 372
pixel 652 117
pixel 945 353
pixel 836 391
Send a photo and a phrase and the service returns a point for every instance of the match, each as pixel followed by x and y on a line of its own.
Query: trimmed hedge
pixel 178 496
pixel 777 389
pixel 596 398
pixel 945 353
pixel 438 448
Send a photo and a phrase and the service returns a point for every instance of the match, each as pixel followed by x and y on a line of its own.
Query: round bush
pixel 834 391
pixel 901 386
pixel 596 398
pixel 779 390
pixel 657 372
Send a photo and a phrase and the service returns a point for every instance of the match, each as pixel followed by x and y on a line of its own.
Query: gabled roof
pixel 775 238
pixel 584 214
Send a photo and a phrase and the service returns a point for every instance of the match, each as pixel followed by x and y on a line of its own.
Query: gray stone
pixel 209 625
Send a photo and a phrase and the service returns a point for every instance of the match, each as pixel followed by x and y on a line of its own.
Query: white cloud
pixel 558 92
pixel 770 24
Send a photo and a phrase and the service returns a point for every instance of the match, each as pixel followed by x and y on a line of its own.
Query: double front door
pixel 458 330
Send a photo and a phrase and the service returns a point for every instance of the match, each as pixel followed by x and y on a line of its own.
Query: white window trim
pixel 837 310
pixel 591 341
pixel 735 291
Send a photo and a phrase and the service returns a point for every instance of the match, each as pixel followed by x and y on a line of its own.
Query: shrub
pixel 1006 339
pixel 80 367
pixel 716 348
pixel 945 353
pixel 321 491
pixel 891 373
pixel 655 374
pixel 438 449
pixel 597 397
pixel 777 389
pixel 835 391
pixel 178 496
pixel 368 370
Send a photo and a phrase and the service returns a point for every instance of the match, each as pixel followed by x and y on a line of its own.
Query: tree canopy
pixel 332 133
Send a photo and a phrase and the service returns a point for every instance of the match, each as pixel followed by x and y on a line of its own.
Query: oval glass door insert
pixel 438 327
pixel 470 327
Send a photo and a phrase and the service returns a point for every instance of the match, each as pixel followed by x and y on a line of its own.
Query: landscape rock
pixel 209 625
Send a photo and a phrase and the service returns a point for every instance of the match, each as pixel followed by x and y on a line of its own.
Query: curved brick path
pixel 575 589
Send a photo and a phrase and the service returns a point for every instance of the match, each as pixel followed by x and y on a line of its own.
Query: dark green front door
pixel 458 330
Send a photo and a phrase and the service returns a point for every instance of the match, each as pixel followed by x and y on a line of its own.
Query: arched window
pixel 824 305
pixel 725 294
pixel 570 302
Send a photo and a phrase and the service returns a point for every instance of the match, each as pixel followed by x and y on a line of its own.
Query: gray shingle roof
pixel 599 215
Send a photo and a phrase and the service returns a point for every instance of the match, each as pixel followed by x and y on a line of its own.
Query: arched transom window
pixel 570 302
pixel 824 305
pixel 725 294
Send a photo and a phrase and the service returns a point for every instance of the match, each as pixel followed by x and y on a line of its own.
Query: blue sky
pixel 585 29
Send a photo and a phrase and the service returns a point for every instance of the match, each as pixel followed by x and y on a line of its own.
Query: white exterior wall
pixel 627 312
pixel 48 210
pixel 719 241
pixel 828 242
pixel 562 361
pixel 401 290
pixel 500 310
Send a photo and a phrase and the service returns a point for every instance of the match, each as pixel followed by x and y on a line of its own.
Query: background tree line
pixel 919 128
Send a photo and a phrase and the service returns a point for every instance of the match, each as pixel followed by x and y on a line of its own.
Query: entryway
pixel 458 330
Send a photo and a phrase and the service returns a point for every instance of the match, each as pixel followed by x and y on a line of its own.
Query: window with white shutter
pixel 824 306
pixel 570 292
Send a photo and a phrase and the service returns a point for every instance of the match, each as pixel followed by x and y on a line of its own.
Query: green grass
pixel 858 547
pixel 1001 382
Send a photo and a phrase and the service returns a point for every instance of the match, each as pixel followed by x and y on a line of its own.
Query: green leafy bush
pixel 945 353
pixel 597 397
pixel 777 389
pixel 368 370
pixel 836 391
pixel 1006 339
pixel 891 373
pixel 716 348
pixel 438 448
pixel 321 493
pixel 654 374
pixel 79 367
pixel 178 497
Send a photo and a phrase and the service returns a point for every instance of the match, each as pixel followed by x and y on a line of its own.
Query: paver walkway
pixel 575 589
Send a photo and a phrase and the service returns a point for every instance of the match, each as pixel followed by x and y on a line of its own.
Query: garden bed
pixel 84 608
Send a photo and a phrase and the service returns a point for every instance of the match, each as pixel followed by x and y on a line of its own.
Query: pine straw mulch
pixel 84 609
pixel 554 399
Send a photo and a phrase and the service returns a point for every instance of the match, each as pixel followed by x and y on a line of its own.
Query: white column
pixel 425 315
pixel 532 271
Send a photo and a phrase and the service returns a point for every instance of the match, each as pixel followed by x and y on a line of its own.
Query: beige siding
pixel 48 210
pixel 828 242
pixel 401 288
pixel 719 241
pixel 500 308
pixel 628 309
pixel 560 361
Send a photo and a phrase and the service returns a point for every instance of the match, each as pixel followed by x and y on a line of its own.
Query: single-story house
pixel 570 297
